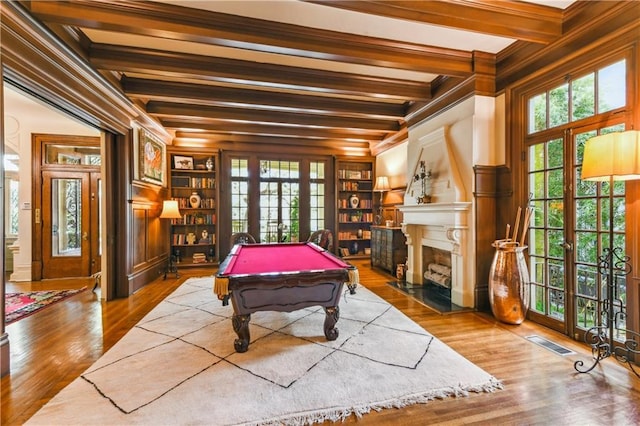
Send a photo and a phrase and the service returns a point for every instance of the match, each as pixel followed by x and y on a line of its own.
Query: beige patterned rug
pixel 178 366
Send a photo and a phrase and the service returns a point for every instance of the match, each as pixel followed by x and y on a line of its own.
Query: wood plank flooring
pixel 53 347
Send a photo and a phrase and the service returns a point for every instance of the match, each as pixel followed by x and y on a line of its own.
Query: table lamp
pixel 170 210
pixel 382 186
pixel 607 158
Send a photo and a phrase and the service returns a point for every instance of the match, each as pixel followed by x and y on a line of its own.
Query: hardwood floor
pixel 53 347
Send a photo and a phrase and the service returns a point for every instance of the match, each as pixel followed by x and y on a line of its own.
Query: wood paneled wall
pixel 492 194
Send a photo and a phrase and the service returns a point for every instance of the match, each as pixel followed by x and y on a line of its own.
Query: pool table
pixel 282 277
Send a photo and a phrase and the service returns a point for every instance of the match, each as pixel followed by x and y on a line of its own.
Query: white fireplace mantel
pixel 443 226
pixel 454 214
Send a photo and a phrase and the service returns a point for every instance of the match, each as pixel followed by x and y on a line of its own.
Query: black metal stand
pixel 612 266
pixel 171 267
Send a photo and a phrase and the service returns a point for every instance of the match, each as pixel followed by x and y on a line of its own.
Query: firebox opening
pixel 436 265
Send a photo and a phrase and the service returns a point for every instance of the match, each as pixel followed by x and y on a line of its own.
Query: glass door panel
pixel 547 231
pixel 279 201
pixel 66 225
pixel 592 201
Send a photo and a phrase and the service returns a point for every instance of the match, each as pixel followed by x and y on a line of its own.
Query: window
pixel 12 195
pixel 240 195
pixel 316 195
pixel 590 94
pixel 570 224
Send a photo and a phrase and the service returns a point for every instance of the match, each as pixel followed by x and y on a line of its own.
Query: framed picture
pixel 182 162
pixel 150 161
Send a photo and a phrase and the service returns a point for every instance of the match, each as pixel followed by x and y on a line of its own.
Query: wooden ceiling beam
pixel 513 19
pixel 172 109
pixel 204 94
pixel 178 65
pixel 301 133
pixel 219 29
pixel 182 137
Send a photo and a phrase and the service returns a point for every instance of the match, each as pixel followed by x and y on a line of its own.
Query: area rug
pixel 21 305
pixel 178 366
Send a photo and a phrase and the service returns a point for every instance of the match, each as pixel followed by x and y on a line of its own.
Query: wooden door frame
pixel 38 143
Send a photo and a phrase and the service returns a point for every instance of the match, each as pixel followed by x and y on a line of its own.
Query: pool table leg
pixel 330 320
pixel 241 327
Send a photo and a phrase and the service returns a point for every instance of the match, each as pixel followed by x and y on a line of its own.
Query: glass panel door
pixel 547 242
pixel 568 234
pixel 70 224
pixel 592 225
pixel 65 215
pixel 279 201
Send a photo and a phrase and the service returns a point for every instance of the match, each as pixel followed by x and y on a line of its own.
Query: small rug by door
pixel 177 366
pixel 21 305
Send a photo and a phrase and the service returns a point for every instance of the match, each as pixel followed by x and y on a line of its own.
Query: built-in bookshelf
pixel 194 185
pixel 355 211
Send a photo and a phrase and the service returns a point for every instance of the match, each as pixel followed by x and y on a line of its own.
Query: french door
pixel 569 231
pixel 279 201
pixel 70 224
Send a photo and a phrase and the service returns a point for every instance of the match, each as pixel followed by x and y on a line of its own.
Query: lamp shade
pixel 612 156
pixel 382 184
pixel 170 210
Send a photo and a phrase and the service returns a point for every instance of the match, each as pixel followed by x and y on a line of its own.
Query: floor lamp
pixel 608 158
pixel 170 210
pixel 382 186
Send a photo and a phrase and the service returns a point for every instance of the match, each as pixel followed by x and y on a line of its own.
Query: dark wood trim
pixel 5 352
pixel 490 190
pixel 41 65
pixel 589 25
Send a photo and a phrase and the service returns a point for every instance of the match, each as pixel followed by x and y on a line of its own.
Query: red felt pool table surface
pixel 253 259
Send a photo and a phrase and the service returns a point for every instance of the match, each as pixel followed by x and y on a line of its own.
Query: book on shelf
pixel 199 258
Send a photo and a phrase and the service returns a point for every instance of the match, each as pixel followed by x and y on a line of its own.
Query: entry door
pixel 70 224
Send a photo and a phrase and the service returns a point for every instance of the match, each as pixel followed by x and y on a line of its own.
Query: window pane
pixel 583 97
pixel 14 199
pixel 72 155
pixel 612 87
pixel 555 153
pixel 538 113
pixel 66 217
pixel 559 106
pixel 536 157
pixel 239 167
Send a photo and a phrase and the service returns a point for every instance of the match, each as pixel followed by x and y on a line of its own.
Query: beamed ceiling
pixel 340 74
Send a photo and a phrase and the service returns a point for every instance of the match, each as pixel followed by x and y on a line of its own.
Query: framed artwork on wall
pixel 150 161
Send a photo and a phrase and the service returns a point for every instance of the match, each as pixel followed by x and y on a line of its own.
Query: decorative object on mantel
pixel 382 186
pixel 509 275
pixel 424 176
pixel 607 158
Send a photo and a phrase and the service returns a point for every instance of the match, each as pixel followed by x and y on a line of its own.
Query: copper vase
pixel 509 282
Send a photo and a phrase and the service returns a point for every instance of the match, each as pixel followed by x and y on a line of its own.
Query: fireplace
pixel 438 233
pixel 436 266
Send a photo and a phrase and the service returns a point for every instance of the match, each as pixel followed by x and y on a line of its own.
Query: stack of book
pixel 199 258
